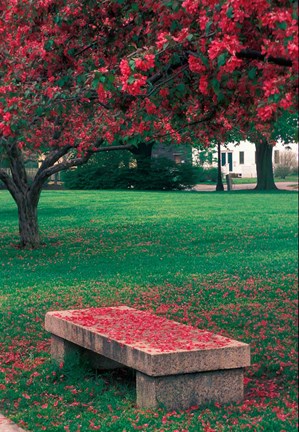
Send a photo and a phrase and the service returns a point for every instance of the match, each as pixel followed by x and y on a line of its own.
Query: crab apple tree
pixel 80 77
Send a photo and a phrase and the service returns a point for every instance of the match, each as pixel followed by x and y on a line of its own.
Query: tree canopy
pixel 78 77
pixel 83 73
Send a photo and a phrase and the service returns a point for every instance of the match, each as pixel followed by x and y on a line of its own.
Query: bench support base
pixel 186 390
pixel 171 391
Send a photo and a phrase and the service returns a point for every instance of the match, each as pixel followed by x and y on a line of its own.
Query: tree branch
pixel 120 147
pixel 85 48
pixel 207 117
pixel 54 157
pixel 16 164
pixel 78 99
pixel 42 176
pixel 9 183
pixel 257 55
pixel 158 79
pixel 62 166
pixel 184 67
pixel 42 173
pixel 47 169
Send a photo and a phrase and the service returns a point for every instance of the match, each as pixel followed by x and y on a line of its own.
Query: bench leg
pixel 186 390
pixel 65 351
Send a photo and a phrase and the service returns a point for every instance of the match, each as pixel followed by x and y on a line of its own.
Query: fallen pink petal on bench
pixel 176 365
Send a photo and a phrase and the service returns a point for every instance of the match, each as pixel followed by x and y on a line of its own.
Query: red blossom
pixel 232 64
pixel 162 39
pixel 266 112
pixel 135 88
pixel 125 68
pixel 103 94
pixel 182 35
pixel 150 107
pixel 164 92
pixel 196 64
pixel 286 102
pixel 270 87
pixel 7 116
pixel 145 63
pixel 191 6
pixel 5 129
pixel 203 84
pixel 50 91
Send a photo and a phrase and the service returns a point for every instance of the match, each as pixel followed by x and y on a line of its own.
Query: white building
pixel 240 159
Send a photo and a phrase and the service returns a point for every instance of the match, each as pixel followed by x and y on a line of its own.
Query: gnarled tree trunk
pixel 264 166
pixel 26 194
pixel 28 220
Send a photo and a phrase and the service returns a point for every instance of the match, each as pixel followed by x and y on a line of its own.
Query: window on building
pixel 177 158
pixel 241 158
pixel 223 159
pixel 276 156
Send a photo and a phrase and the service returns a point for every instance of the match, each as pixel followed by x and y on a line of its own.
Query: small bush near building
pixel 287 164
pixel 206 174
pixel 282 171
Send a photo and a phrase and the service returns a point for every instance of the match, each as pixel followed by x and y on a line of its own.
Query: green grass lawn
pixel 222 262
pixel 252 180
pixel 290 178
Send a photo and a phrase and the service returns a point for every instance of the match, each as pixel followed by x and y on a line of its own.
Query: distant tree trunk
pixel 264 166
pixel 219 186
pixel 143 155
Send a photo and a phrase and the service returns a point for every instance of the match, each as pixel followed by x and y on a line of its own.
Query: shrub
pixel 163 174
pixel 206 174
pixel 101 172
pixel 287 165
pixel 282 171
pixel 116 172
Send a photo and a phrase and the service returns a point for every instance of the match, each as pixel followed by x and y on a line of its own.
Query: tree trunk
pixel 28 221
pixel 264 167
pixel 143 155
pixel 219 186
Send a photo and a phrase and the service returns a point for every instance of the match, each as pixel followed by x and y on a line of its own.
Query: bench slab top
pixel 149 343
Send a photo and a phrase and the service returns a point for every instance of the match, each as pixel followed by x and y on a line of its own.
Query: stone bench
pixel 176 365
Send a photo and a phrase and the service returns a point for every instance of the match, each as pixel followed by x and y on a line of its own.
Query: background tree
pixel 83 77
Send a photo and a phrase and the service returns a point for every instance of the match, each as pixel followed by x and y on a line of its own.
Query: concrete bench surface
pixel 154 346
pixel 151 344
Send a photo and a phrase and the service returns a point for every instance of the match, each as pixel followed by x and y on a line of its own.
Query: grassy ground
pixel 252 180
pixel 290 178
pixel 223 262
